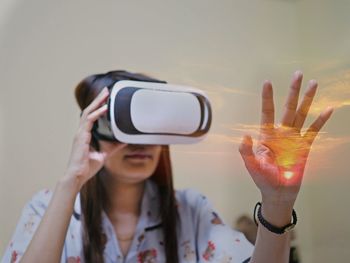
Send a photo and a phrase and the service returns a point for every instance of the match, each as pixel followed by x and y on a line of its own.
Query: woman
pixel 116 202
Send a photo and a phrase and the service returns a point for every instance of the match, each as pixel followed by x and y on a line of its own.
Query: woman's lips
pixel 138 156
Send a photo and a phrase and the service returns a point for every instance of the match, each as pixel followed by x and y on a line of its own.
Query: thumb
pixel 119 147
pixel 96 160
pixel 247 154
pixel 246 146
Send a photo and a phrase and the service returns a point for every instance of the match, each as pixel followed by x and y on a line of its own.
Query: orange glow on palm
pixel 289 149
pixel 286 154
pixel 288 175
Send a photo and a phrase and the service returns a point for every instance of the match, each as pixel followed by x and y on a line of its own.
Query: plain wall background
pixel 226 48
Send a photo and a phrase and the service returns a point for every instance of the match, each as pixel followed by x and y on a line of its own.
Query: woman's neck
pixel 123 198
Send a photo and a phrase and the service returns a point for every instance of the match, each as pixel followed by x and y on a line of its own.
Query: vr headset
pixel 154 113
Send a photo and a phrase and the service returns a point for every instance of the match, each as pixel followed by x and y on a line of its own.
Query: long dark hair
pixel 93 197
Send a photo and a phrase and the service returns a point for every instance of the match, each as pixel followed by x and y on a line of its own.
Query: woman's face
pixel 132 163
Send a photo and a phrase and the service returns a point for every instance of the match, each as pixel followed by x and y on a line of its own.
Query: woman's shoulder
pixel 190 198
pixel 215 240
pixel 189 195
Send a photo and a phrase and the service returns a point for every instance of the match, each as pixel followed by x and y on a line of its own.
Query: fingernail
pixel 313 82
pixel 328 112
pixel 298 73
pixel 329 109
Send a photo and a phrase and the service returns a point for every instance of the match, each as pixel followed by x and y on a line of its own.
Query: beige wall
pixel 224 47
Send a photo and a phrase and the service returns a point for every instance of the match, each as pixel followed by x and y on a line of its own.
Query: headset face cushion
pixel 155 113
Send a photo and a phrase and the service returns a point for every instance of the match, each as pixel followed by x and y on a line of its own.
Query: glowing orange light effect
pixel 288 175
pixel 333 90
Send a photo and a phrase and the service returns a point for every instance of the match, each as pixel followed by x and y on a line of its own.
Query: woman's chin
pixel 135 173
pixel 134 178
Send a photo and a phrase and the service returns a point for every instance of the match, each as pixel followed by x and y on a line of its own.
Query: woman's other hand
pixel 277 165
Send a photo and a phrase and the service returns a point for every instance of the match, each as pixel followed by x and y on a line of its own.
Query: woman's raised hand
pixel 277 165
pixel 84 161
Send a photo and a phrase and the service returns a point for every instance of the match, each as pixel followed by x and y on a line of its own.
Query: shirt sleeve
pixel 217 241
pixel 29 221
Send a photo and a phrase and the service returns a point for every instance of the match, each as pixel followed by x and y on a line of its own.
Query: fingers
pixel 96 161
pixel 92 112
pixel 97 156
pixel 267 108
pixel 316 126
pixel 248 156
pixel 92 117
pixel 292 100
pixel 88 122
pixel 304 107
pixel 101 97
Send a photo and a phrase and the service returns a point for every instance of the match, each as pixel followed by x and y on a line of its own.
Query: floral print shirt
pixel 202 235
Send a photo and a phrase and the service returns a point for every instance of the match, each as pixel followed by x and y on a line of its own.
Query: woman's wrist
pixel 276 213
pixel 69 185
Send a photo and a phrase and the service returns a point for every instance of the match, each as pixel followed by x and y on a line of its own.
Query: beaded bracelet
pixel 270 227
